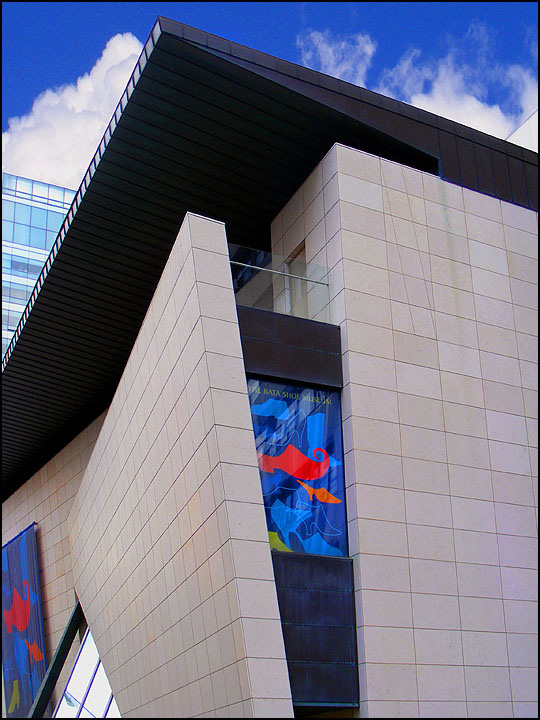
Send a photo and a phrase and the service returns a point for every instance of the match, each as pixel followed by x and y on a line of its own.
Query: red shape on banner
pixel 19 614
pixel 295 463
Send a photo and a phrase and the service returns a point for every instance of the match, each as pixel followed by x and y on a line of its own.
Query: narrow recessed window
pixel 296 287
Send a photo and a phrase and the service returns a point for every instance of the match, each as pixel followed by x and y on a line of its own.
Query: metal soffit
pixel 206 126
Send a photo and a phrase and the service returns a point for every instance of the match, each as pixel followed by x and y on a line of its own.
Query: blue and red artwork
pixel 23 642
pixel 300 453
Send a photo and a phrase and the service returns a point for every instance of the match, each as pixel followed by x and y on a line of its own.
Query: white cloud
pixel 467 85
pixel 446 89
pixel 448 97
pixel 57 139
pixel 463 85
pixel 346 58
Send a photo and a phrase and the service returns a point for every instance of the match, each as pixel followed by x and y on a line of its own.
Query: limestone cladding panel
pixel 168 530
pixel 435 289
pixel 46 499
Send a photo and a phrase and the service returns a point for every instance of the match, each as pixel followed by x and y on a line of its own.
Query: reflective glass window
pixel 51 237
pixel 13 320
pixel 21 234
pixel 19 292
pixel 8 181
pixel 56 193
pixel 22 213
pixel 38 238
pixel 54 220
pixel 40 189
pixel 34 268
pixel 8 210
pixel 99 694
pixel 7 231
pixel 84 669
pixel 19 266
pixel 39 218
pixel 24 186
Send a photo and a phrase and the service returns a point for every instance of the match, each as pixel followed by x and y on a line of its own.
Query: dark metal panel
pixel 291 363
pixel 224 132
pixel 419 134
pixel 242 51
pixel 193 34
pixel 328 107
pixel 480 138
pixel 512 150
pixel 185 165
pixel 484 169
pixel 449 157
pixel 467 166
pixel 292 612
pixel 43 333
pixel 225 204
pixel 290 348
pixel 328 643
pixel 446 125
pixel 531 178
pixel 501 175
pixel 316 602
pixel 229 107
pixel 315 685
pixel 530 157
pixel 498 144
pixel 517 181
pixel 464 132
pixel 217 43
pixel 313 572
pixel 249 96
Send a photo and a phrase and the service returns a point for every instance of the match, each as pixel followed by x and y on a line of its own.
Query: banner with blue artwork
pixel 23 640
pixel 300 453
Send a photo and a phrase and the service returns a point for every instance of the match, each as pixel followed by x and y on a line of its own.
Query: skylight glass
pixel 88 693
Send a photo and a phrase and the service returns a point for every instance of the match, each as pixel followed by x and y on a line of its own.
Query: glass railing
pixel 283 285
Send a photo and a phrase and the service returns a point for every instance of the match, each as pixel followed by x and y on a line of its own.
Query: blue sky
pixel 474 62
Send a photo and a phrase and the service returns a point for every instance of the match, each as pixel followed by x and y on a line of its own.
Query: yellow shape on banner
pixel 275 542
pixel 15 698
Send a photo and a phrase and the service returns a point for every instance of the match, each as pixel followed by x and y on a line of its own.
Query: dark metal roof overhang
pixel 207 126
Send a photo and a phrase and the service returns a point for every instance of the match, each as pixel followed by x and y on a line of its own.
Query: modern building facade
pixel 162 372
pixel 32 213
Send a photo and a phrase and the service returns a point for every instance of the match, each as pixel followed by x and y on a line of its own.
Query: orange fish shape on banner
pixel 321 494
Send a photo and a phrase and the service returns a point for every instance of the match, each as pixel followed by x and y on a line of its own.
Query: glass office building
pixel 32 213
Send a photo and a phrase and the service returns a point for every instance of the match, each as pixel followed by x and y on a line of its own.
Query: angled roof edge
pixel 194 105
pixel 273 67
